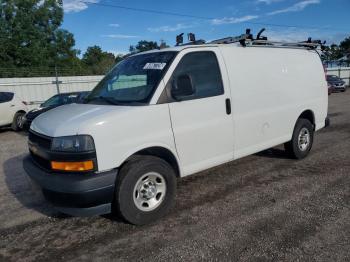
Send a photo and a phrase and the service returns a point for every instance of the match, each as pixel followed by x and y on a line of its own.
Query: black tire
pixel 293 148
pixel 17 123
pixel 129 175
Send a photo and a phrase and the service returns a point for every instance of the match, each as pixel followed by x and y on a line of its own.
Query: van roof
pixel 231 45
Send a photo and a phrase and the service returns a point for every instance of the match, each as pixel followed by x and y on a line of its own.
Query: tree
pixel 119 58
pixel 332 52
pixel 30 35
pixel 345 47
pixel 97 61
pixel 143 45
pixel 336 52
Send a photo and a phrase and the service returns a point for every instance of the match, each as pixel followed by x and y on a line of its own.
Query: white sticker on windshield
pixel 154 66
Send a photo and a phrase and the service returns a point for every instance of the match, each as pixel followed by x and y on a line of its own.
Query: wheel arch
pixel 309 115
pixel 21 111
pixel 161 152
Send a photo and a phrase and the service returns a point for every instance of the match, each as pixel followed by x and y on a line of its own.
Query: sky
pixel 114 25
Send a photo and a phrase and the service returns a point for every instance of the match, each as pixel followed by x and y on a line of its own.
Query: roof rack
pixel 248 39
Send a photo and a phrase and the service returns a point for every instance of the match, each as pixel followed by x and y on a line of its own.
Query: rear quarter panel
pixel 271 87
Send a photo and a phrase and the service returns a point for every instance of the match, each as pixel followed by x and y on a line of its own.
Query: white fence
pixel 38 89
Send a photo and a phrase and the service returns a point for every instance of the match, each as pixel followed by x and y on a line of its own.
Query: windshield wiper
pixel 114 101
pixel 107 99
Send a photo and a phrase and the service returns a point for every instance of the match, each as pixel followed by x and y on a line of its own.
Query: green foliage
pixel 30 34
pixel 33 44
pixel 97 61
pixel 119 58
pixel 332 52
pixel 336 52
pixel 143 45
pixel 345 46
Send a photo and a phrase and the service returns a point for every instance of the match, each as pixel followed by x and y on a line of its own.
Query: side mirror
pixel 182 87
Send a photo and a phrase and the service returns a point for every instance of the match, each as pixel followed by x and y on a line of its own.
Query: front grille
pixel 39 140
pixel 41 161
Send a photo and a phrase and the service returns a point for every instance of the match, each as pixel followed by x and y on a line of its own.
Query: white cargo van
pixel 171 113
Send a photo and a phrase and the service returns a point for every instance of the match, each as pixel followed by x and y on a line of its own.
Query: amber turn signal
pixel 73 166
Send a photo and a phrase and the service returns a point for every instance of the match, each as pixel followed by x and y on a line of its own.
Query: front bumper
pixel 340 88
pixel 75 194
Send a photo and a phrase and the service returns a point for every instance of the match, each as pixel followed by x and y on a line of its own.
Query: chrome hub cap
pixel 304 139
pixel 149 191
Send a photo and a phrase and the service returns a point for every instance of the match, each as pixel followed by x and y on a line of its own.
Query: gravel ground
pixel 264 207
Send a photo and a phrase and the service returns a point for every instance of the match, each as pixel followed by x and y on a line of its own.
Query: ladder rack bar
pixel 230 40
pixel 247 39
pixel 276 43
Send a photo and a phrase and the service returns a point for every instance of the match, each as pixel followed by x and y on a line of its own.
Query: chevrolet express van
pixel 170 113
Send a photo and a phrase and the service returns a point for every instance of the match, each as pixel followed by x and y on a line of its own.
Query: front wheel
pixel 145 190
pixel 302 139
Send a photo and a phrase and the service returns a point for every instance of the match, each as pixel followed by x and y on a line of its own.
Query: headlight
pixel 79 143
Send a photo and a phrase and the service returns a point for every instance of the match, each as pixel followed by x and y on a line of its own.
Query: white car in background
pixel 12 110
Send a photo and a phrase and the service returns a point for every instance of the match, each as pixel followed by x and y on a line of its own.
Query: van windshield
pixel 133 80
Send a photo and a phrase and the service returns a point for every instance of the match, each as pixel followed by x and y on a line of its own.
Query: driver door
pixel 202 122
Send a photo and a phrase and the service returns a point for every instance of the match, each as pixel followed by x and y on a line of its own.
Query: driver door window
pixel 204 71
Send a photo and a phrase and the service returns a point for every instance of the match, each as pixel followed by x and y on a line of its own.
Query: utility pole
pixel 56 81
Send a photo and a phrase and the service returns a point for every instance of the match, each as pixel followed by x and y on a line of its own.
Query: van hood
pixel 73 119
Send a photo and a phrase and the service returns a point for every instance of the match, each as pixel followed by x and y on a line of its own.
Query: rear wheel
pixel 145 190
pixel 302 139
pixel 17 123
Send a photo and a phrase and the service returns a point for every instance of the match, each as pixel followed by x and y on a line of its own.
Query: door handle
pixel 228 106
pixel 12 105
